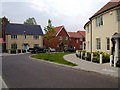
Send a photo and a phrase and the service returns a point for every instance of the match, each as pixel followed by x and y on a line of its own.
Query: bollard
pixel 111 59
pixel 91 57
pixel 78 54
pixel 100 58
pixel 81 54
pixel 9 51
pixel 16 51
pixel 115 60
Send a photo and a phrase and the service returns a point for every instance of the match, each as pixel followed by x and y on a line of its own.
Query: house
pixel 21 37
pixel 64 39
pixel 103 29
pixel 77 39
pixel 61 39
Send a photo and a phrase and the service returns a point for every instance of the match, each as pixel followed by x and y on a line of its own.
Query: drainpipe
pixel 91 36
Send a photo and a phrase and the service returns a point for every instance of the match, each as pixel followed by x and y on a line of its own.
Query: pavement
pixel 105 69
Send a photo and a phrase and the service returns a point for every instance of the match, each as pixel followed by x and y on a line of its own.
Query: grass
pixel 54 57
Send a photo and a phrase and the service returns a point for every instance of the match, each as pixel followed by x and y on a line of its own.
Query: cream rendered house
pixel 103 29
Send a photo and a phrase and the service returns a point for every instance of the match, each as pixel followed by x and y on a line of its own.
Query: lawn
pixel 54 57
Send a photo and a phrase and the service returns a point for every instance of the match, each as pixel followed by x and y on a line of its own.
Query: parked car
pixel 70 50
pixel 38 50
pixel 52 49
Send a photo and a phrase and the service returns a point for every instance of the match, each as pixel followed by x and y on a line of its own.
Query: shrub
pixel 13 51
pixel 96 57
pixel 88 56
pixel 106 57
pixel 83 55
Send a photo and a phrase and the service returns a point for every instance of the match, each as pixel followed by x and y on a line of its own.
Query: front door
pixel 25 47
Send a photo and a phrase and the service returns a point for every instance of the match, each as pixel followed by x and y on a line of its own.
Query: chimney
pixel 4 23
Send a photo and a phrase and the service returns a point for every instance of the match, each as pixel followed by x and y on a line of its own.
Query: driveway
pixel 18 71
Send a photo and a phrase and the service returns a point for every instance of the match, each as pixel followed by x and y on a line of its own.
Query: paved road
pixel 21 72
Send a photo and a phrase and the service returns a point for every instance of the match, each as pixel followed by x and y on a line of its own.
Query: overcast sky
pixel 73 14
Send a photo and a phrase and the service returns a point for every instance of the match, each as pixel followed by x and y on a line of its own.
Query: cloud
pixel 73 14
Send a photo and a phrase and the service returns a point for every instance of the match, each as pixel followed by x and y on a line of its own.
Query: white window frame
pixel 99 21
pixel 108 43
pixel 81 39
pixel 76 40
pixel 98 43
pixel 13 36
pixel 36 37
pixel 60 37
pixel 118 14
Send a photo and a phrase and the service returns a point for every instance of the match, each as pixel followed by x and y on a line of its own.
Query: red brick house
pixel 77 39
pixel 64 39
pixel 61 39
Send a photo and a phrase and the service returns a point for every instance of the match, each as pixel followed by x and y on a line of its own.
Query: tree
pixel 30 21
pixel 50 33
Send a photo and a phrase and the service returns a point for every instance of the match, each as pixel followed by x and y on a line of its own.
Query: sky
pixel 73 14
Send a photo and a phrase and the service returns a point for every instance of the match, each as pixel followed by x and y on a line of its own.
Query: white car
pixel 52 49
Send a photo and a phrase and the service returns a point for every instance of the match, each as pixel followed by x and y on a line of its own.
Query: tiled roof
pixel 22 28
pixel 110 5
pixel 58 28
pixel 79 34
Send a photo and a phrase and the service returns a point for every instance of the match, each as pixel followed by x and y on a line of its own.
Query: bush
pixel 96 57
pixel 106 57
pixel 83 55
pixel 88 56
pixel 13 51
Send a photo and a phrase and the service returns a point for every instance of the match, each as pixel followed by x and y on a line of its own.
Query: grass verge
pixel 54 57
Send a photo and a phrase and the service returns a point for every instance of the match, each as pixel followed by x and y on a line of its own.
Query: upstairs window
pixel 60 38
pixel 66 38
pixel 25 37
pixel 99 21
pixel 81 39
pixel 36 37
pixel 13 36
pixel 118 14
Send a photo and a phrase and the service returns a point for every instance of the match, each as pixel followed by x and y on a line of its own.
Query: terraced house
pixel 21 37
pixel 103 29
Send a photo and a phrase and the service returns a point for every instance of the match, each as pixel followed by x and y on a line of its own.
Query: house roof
pixel 58 29
pixel 110 5
pixel 79 34
pixel 19 29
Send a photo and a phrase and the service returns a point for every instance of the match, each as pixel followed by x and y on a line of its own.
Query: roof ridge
pixel 23 24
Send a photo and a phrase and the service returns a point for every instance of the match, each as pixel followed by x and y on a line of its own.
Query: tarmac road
pixel 19 71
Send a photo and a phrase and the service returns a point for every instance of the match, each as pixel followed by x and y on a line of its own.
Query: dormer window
pixel 99 21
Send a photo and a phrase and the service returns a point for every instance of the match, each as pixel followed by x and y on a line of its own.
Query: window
pixel 25 37
pixel 76 40
pixel 60 38
pixel 66 38
pixel 13 36
pixel 81 46
pixel 36 36
pixel 98 43
pixel 36 45
pixel 88 29
pixel 88 44
pixel 118 14
pixel 14 46
pixel 99 21
pixel 81 39
pixel 108 44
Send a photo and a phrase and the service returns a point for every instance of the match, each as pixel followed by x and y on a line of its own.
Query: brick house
pixel 77 39
pixel 67 39
pixel 61 37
